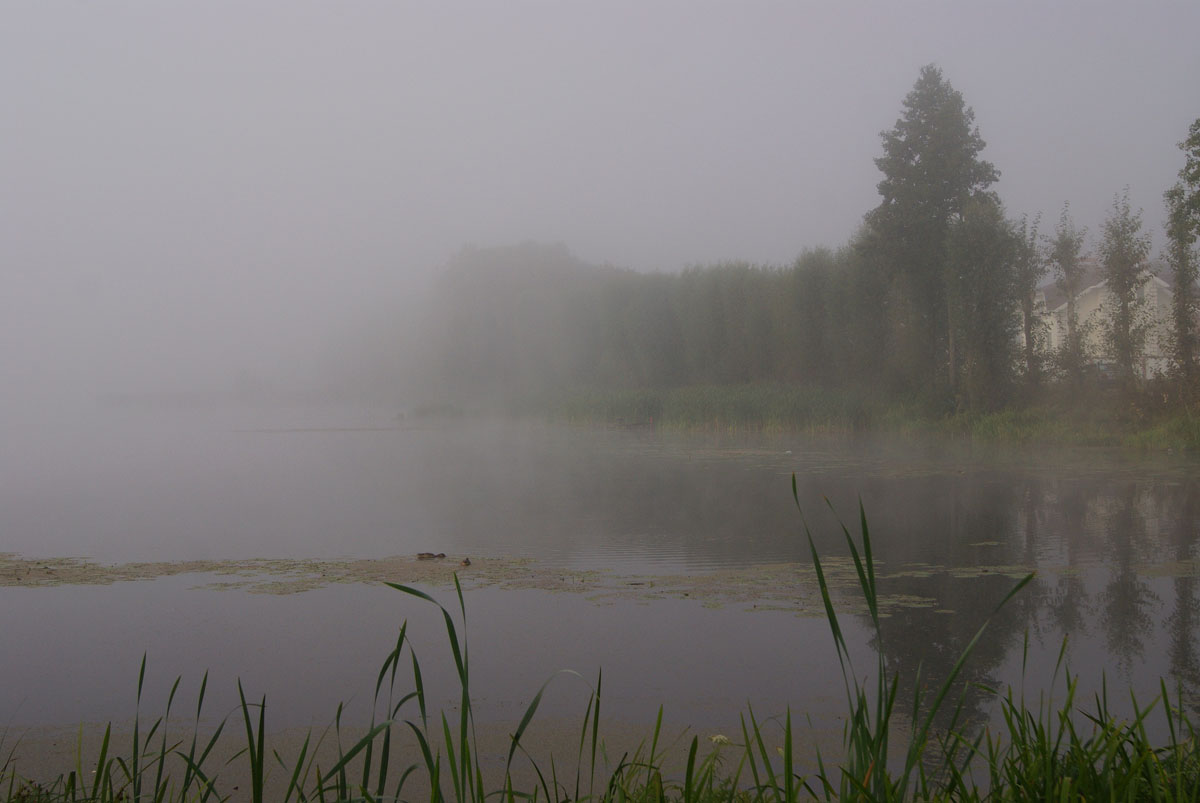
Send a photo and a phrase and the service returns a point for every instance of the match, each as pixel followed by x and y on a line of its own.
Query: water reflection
pixel 1116 577
pixel 1113 539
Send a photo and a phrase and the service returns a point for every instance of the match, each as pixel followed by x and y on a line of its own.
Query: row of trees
pixel 955 267
pixel 934 296
pixel 508 326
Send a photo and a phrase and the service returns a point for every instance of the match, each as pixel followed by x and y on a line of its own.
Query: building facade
pixel 1154 297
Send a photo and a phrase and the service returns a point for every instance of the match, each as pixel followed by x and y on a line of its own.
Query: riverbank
pixel 1091 417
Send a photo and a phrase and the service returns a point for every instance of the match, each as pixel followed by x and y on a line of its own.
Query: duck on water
pixel 440 556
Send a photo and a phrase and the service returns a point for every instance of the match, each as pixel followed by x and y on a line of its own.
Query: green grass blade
pixel 596 732
pixel 419 688
pixel 208 785
pixel 293 786
pixel 254 744
pixel 391 661
pixel 527 717
pixel 789 787
pixel 451 759
pixel 689 773
pixel 135 757
pixel 340 766
pixel 102 762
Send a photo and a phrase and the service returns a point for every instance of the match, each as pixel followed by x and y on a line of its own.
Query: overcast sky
pixel 230 186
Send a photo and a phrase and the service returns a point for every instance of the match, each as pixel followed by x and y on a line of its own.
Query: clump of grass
pixel 1177 433
pixel 1042 424
pixel 867 772
pixel 1050 755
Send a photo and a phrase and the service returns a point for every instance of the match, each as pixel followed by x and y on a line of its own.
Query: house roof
pixel 1092 276
pixel 1056 296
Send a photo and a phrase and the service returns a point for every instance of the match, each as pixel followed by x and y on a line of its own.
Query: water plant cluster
pixel 898 744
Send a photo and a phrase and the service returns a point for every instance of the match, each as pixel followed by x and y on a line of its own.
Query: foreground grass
pixel 891 751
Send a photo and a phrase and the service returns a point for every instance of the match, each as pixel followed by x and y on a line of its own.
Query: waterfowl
pixel 466 562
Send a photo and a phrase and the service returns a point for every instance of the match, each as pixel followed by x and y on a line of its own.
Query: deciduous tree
pixel 1183 229
pixel 1185 302
pixel 1123 252
pixel 1065 253
pixel 1029 264
pixel 1190 175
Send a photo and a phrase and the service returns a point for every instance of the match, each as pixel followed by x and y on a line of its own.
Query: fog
pixel 225 197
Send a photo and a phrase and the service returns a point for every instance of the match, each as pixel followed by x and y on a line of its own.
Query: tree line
pixel 935 296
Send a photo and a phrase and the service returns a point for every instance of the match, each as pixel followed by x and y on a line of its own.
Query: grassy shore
pixel 1087 417
pixel 892 750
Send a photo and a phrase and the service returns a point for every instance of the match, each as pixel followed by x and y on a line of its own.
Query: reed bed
pixel 892 751
pixel 737 408
pixel 763 407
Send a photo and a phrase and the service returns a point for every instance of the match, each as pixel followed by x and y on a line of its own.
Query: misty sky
pixel 193 190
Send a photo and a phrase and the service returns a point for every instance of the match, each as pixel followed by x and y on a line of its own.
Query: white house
pixel 1156 293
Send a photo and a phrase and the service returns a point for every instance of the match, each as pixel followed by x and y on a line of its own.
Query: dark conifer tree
pixel 932 167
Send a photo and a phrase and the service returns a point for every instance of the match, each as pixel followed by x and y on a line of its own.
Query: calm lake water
pixel 1112 537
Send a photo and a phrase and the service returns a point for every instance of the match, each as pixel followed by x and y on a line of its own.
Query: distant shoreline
pixel 1142 423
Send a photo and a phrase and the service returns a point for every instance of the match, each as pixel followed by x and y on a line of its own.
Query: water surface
pixel 1112 537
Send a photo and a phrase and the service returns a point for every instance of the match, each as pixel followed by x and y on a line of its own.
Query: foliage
pixel 1185 302
pixel 1189 174
pixel 510 332
pixel 1123 252
pixel 931 169
pixel 1049 757
pixel 489 327
pixel 1029 264
pixel 934 298
pixel 982 292
pixel 1183 229
pixel 929 760
pixel 1065 253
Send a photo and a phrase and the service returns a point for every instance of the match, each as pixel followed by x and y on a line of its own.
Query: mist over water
pixel 243 245
pixel 1113 544
pixel 121 485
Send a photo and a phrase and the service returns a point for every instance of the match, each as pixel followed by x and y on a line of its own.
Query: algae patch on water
pixel 770 587
pixel 264 575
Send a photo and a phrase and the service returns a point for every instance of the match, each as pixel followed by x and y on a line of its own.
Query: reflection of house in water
pixel 1155 296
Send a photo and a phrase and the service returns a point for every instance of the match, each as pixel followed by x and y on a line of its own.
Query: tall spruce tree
pixel 1123 252
pixel 931 168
